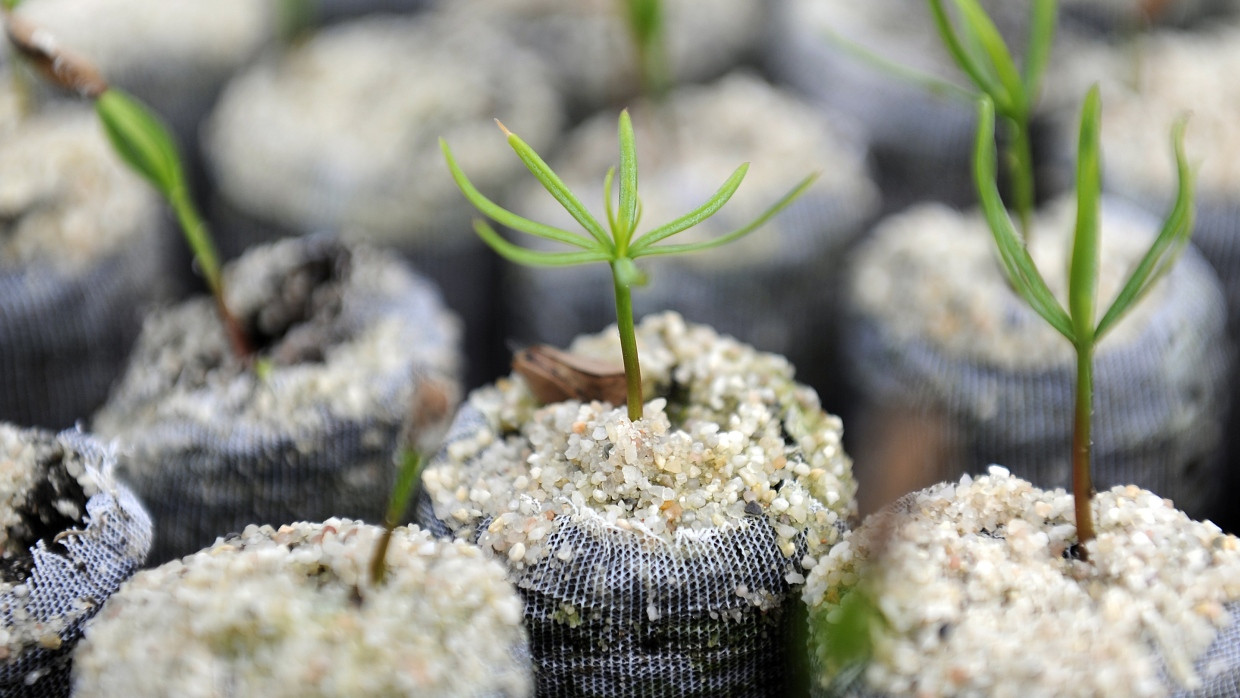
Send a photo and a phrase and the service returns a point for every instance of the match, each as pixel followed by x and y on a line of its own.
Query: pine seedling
pixel 645 19
pixel 143 143
pixel 978 49
pixel 407 476
pixel 980 52
pixel 614 244
pixel 1077 322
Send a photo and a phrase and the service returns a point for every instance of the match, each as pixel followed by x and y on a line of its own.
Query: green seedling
pixel 615 244
pixel 1077 321
pixel 979 50
pixel 143 143
pixel 645 22
pixel 406 481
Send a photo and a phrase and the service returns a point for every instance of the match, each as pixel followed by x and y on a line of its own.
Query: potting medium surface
pixel 979 592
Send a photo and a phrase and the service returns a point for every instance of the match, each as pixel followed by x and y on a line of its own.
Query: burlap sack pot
pixel 653 559
pixel 775 289
pixel 81 257
pixel 353 341
pixel 71 535
pixel 292 612
pixel 976 591
pixel 937 341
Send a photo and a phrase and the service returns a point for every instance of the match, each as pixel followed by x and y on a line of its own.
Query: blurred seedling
pixel 614 244
pixel 979 50
pixel 144 144
pixel 645 20
pixel 1077 322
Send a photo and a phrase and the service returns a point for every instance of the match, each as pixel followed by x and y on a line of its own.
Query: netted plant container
pixel 293 612
pixel 352 345
pixel 70 536
pixel 660 556
pixel 974 588
pixel 942 354
pixel 81 257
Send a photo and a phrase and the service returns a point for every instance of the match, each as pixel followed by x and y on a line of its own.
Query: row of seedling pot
pixel 593 524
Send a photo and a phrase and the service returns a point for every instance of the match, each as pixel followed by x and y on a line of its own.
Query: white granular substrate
pixel 933 273
pixel 293 612
pixel 730 432
pixel 977 596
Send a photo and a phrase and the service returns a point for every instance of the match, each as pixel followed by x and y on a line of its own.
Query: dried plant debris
pixel 977 588
pixel 729 435
pixel 292 612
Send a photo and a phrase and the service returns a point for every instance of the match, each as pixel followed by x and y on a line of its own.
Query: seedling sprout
pixel 1077 322
pixel 979 50
pixel 645 21
pixel 143 143
pixel 614 245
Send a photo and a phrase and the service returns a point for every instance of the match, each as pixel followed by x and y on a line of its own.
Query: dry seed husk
pixel 293 612
pixel 657 555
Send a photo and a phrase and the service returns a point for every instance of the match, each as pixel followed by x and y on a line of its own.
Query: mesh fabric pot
pixel 293 612
pixel 659 556
pixel 976 592
pixel 774 289
pixel 71 535
pixel 355 343
pixel 81 256
pixel 935 336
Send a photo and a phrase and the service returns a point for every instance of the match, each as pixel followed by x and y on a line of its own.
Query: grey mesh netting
pixel 1159 399
pixel 77 558
pixel 355 338
pixel 64 337
pixel 633 615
